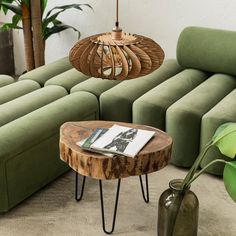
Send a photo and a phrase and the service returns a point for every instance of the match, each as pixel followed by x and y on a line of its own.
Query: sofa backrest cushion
pixel 46 72
pixel 5 80
pixel 207 49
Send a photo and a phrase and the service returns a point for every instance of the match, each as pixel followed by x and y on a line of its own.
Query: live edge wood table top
pixel 154 156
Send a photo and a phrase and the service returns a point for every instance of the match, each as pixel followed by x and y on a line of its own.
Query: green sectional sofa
pixel 191 108
pixel 188 97
pixel 29 146
pixel 30 119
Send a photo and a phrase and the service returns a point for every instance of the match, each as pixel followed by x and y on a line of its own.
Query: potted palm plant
pixel 178 205
pixel 37 25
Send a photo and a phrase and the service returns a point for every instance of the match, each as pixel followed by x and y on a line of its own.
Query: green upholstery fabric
pixel 15 90
pixel 95 86
pixel 21 106
pixel 183 118
pixel 5 80
pixel 223 112
pixel 207 49
pixel 46 72
pixel 150 109
pixel 116 103
pixel 29 155
pixel 67 79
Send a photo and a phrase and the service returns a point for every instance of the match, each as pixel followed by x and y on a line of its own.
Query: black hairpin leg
pixel 146 199
pixel 76 187
pixel 115 209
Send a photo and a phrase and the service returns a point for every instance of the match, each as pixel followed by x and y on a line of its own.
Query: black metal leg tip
pixel 79 198
pixel 115 208
pixel 145 198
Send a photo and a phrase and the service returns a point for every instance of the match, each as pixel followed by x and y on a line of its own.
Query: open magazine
pixel 122 140
pixel 87 142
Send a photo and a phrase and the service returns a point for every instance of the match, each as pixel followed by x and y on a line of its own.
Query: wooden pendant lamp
pixel 116 55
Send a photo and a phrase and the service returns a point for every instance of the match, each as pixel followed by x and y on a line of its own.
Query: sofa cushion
pixel 67 79
pixel 183 118
pixel 116 103
pixel 44 122
pixel 5 80
pixel 206 49
pixel 46 72
pixel 20 106
pixel 29 150
pixel 95 86
pixel 150 109
pixel 15 90
pixel 221 113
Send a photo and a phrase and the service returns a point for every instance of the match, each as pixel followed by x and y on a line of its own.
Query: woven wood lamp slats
pixel 116 55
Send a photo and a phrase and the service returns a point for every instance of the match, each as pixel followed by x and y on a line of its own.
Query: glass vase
pixel 177 211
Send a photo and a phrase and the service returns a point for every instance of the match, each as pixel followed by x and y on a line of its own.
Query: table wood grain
pixel 154 156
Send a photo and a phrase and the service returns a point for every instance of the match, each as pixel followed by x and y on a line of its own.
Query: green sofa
pixel 188 97
pixel 192 104
pixel 30 119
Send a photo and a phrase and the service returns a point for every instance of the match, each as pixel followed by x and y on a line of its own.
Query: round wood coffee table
pixel 154 156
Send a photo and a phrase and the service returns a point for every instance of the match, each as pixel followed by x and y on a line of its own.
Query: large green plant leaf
pixel 14 24
pixel 43 5
pixel 4 9
pixel 66 7
pixel 8 6
pixel 10 26
pixel 225 139
pixel 56 28
pixel 50 24
pixel 50 18
pixel 8 1
pixel 46 21
pixel 229 176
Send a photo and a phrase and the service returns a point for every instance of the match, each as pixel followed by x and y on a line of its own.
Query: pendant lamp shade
pixel 116 55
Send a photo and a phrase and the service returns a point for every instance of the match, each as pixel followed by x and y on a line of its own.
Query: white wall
pixel 161 20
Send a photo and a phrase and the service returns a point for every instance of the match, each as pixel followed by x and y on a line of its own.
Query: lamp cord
pixel 117 13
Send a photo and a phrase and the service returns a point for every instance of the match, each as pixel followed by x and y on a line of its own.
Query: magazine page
pixel 123 140
pixel 93 137
pixel 86 143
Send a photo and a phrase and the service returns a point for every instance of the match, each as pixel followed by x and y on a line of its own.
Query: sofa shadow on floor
pixel 54 211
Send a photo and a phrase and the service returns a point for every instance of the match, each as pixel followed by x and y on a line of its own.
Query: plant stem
pixel 203 169
pixel 28 43
pixel 38 43
pixel 195 166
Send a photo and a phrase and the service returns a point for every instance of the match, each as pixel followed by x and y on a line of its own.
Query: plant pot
pixel 177 211
pixel 6 52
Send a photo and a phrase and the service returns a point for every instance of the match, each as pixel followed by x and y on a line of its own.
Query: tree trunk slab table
pixel 154 156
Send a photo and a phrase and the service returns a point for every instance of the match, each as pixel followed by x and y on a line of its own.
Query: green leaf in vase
pixel 229 177
pixel 225 139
